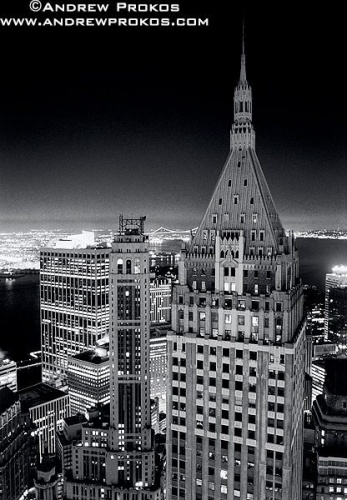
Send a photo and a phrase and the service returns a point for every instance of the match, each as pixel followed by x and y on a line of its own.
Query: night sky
pixel 95 122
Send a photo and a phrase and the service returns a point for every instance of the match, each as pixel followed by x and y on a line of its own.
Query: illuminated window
pixel 137 266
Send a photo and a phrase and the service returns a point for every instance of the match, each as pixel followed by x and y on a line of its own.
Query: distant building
pixel 329 414
pixel 46 407
pixel 163 261
pixel 160 299
pixel 14 448
pixel 315 323
pixel 74 301
pixel 158 365
pixel 8 374
pixel 335 323
pixel 88 375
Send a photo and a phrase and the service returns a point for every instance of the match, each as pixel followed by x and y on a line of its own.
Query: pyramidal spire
pixel 243 56
pixel 241 208
pixel 242 133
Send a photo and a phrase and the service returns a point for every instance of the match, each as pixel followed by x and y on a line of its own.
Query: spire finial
pixel 243 55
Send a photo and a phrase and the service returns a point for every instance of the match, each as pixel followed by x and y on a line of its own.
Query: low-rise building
pixel 88 376
pixel 48 483
pixel 47 407
pixel 160 294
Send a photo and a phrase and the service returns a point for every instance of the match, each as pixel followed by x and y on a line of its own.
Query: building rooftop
pixel 4 362
pixel 38 394
pixel 76 240
pixel 96 356
pixel 7 398
pixel 159 331
pixel 332 452
pixel 75 419
pixel 98 413
pixel 335 380
pixel 46 465
pixel 83 241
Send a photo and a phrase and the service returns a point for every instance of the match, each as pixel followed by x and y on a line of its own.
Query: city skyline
pixel 210 374
pixel 100 127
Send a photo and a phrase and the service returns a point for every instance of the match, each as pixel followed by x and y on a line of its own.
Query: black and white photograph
pixel 173 250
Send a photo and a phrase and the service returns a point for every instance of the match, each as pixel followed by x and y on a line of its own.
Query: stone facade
pixel 236 351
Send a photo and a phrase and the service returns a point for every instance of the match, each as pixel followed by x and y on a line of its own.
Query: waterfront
pixel 19 298
pixel 19 316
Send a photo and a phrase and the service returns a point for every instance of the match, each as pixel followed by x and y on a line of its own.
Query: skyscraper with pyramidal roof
pixel 236 349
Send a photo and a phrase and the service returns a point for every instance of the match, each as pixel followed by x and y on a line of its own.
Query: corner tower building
pixel 114 458
pixel 131 463
pixel 236 349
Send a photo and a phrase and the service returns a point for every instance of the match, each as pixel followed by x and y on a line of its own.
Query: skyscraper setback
pixel 236 348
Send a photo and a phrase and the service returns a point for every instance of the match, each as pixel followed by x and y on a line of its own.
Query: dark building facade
pixel 15 448
pixel 329 414
pixel 236 351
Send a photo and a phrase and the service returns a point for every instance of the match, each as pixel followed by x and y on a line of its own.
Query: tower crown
pixel 241 206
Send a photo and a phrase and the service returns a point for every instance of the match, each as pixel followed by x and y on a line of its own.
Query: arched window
pixel 128 267
pixel 237 254
pixel 120 266
pixel 222 254
pixel 137 266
